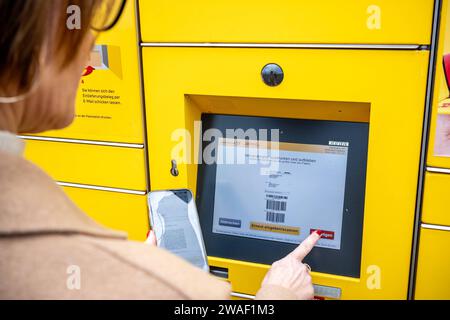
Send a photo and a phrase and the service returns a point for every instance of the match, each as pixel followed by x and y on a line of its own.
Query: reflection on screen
pixel 301 190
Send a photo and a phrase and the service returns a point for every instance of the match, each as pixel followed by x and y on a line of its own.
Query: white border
pixel 435 227
pixel 92 187
pixel 79 141
pixel 287 45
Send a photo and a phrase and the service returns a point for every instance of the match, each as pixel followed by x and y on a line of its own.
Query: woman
pixel 48 247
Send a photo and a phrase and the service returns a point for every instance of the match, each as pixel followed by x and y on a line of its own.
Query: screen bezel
pixel 347 260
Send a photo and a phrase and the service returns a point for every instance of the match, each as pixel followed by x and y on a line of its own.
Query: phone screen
pixel 174 219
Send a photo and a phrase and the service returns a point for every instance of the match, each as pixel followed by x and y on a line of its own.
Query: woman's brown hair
pixel 31 28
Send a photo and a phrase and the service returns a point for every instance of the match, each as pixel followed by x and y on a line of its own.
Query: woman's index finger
pixel 306 246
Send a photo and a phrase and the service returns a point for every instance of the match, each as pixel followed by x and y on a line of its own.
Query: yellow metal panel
pixel 90 164
pixel 386 88
pixel 286 108
pixel 436 205
pixel 242 275
pixel 108 103
pixel 287 21
pixel 440 95
pixel 433 269
pixel 120 211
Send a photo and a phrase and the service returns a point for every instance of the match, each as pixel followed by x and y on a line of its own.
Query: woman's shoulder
pixel 24 185
pixel 87 267
pixel 32 203
pixel 36 207
pixel 17 171
pixel 181 277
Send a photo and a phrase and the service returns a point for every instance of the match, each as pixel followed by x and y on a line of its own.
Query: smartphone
pixel 174 220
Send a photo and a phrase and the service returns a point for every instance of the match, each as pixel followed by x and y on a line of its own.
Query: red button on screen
pixel 328 235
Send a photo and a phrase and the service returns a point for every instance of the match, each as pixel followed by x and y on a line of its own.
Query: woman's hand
pixel 291 273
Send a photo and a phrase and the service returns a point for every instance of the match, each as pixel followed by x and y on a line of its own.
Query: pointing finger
pixel 306 246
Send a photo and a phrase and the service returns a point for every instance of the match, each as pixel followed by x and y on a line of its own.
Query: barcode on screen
pixel 275 205
pixel 274 216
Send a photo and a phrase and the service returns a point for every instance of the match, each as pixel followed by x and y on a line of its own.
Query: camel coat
pixel 50 249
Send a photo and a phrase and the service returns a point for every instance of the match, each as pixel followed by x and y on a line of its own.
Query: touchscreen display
pixel 301 190
pixel 266 183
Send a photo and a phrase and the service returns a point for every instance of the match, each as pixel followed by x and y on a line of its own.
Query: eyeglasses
pixel 108 14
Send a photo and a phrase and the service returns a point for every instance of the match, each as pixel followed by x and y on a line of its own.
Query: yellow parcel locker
pixel 438 154
pixel 355 86
pixel 433 276
pixel 433 262
pixel 288 21
pixel 108 102
pixel 96 165
pixel 436 208
pixel 120 211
